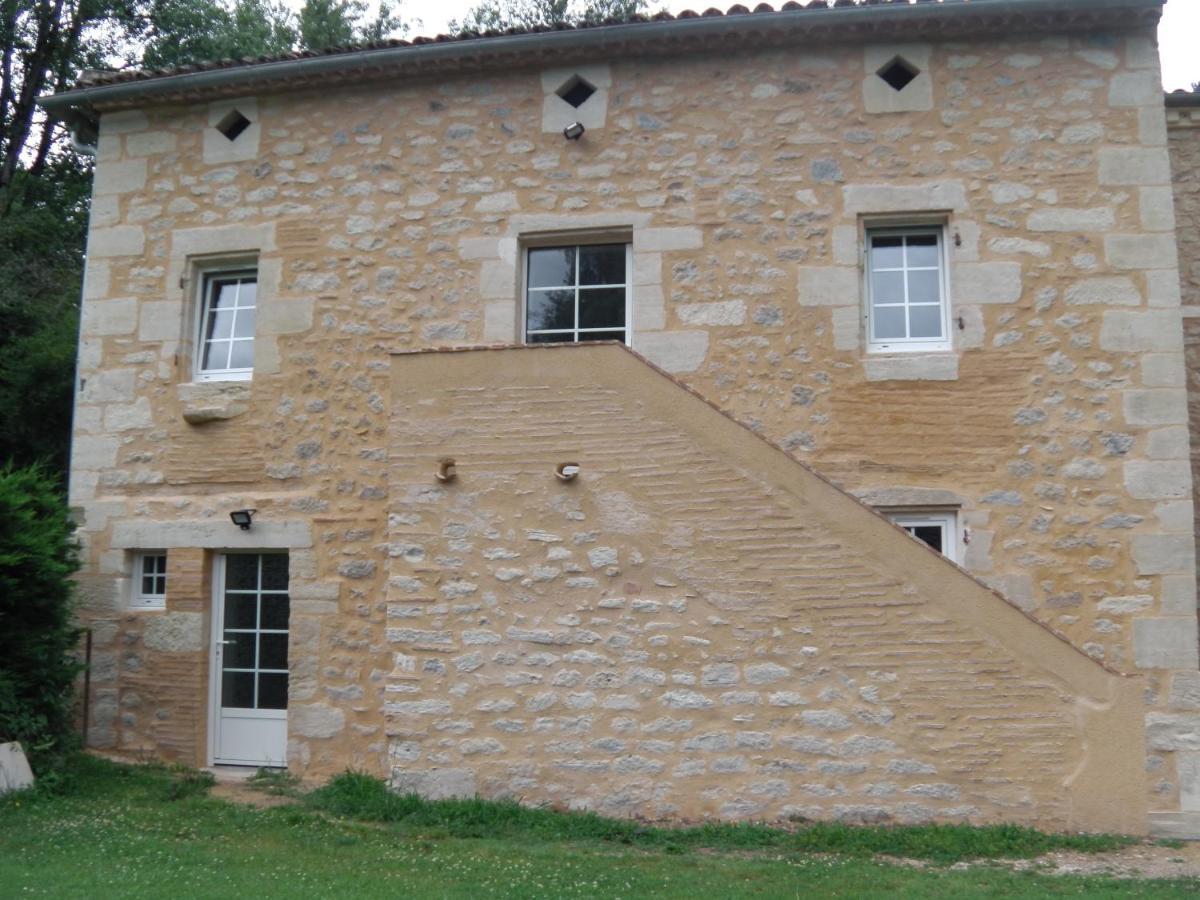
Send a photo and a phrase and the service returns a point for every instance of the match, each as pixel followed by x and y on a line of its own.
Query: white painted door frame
pixel 237 736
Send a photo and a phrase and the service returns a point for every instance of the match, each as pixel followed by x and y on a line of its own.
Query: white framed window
pixel 908 306
pixel 938 529
pixel 227 305
pixel 578 292
pixel 149 579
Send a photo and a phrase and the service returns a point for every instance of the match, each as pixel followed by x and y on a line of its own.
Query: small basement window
pixel 149 580
pixel 937 529
pixel 576 91
pixel 907 306
pixel 577 293
pixel 898 73
pixel 232 124
pixel 228 305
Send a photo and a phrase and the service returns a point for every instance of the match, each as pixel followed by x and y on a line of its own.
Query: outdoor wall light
pixel 241 518
pixel 446 470
pixel 566 471
pixel 574 131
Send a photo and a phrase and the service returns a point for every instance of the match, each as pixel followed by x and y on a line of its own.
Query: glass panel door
pixel 250 659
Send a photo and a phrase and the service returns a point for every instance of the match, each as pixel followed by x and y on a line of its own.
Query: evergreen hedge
pixel 38 636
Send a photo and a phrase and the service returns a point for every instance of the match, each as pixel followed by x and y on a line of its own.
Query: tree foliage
pixel 498 15
pixel 182 31
pixel 38 641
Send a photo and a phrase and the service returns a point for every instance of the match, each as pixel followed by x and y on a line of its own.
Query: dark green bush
pixel 38 637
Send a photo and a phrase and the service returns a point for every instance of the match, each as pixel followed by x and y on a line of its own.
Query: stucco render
pixel 391 218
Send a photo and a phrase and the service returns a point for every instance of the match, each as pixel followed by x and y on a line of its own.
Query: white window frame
pixel 907 345
pixel 205 274
pixel 576 243
pixel 947 519
pixel 139 598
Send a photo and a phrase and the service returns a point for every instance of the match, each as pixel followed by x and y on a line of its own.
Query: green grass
pixel 152 831
pixel 358 796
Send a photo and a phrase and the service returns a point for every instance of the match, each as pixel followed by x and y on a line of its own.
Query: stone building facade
pixel 643 583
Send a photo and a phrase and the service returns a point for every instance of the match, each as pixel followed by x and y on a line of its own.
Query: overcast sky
pixel 1179 32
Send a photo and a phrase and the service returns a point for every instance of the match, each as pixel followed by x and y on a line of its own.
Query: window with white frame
pixel 907 299
pixel 937 529
pixel 149 579
pixel 228 303
pixel 577 293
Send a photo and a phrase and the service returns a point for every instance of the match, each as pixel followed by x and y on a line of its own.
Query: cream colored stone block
pixel 126 121
pixel 912 367
pixel 1162 288
pixel 1156 207
pixel 992 282
pixel 647 268
pixel 117 240
pixel 1142 88
pixel 592 113
pixel 828 286
pixel 218 149
pixel 1055 218
pixel 1131 332
pixel 719 314
pixel 1134 166
pixel 1168 443
pixel 119 177
pixel 848 324
pixel 649 308
pixel 497 280
pixel 1160 406
pixel 879 96
pixel 1104 291
pixel 1140 251
pixel 845 245
pixel 661 240
pixel 105 210
pixel 1164 643
pixel 929 197
pixel 500 322
pixel 101 317
pixel 215 533
pixel 160 320
pixel 284 315
pixel 96 277
pixel 1154 480
pixel 674 351
pixel 1163 370
pixel 1152 126
pixel 151 143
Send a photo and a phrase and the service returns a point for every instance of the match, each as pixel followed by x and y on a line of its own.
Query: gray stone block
pixel 1164 554
pixel 1134 166
pixel 1167 643
pixel 1154 480
pixel 434 784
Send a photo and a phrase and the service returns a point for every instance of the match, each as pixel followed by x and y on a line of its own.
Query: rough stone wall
pixel 682 631
pixel 389 217
pixel 1184 144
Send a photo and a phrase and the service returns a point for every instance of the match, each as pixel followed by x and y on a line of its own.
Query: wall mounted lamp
pixel 574 131
pixel 242 517
pixel 446 470
pixel 566 471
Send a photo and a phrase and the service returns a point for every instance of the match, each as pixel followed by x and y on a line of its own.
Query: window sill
pixel 213 401
pixel 941 366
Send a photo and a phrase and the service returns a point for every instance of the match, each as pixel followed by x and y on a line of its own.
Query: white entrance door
pixel 250 659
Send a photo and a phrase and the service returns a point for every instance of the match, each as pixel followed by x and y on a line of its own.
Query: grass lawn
pixel 146 831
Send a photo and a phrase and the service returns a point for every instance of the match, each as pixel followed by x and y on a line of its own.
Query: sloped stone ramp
pixel 700 626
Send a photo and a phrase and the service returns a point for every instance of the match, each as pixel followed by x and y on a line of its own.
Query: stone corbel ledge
pixel 912 367
pixel 213 401
pixel 210 534
pixel 886 498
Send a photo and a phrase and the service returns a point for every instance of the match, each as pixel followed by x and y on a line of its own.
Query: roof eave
pixel 660 38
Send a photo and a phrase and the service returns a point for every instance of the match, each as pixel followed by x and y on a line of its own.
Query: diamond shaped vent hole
pixel 898 73
pixel 232 124
pixel 576 91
